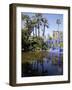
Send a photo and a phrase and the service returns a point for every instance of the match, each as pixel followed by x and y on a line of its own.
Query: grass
pixel 36 55
pixel 39 55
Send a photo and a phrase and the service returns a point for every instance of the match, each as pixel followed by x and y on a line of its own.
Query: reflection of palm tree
pixel 45 22
pixel 42 66
pixel 37 65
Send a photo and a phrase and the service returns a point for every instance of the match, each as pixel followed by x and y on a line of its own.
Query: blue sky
pixel 51 20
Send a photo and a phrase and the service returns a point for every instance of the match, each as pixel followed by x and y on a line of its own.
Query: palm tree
pixel 58 21
pixel 45 22
pixel 26 19
pixel 27 23
pixel 34 24
pixel 36 30
pixel 38 17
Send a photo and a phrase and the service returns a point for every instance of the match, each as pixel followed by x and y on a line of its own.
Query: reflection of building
pixel 57 35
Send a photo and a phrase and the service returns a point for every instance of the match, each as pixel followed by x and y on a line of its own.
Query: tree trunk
pixel 38 30
pixel 44 31
pixel 33 31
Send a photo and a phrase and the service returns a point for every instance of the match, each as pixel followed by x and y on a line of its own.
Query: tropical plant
pixel 38 17
pixel 32 24
pixel 45 23
pixel 58 21
pixel 25 39
pixel 61 44
pixel 27 23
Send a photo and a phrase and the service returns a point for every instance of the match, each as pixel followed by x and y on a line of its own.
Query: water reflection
pixel 41 64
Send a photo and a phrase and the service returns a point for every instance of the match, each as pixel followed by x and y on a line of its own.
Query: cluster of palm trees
pixel 36 22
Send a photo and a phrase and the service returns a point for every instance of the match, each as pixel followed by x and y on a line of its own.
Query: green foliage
pixel 50 38
pixel 45 24
pixel 61 44
pixel 30 24
pixel 44 47
pixel 32 43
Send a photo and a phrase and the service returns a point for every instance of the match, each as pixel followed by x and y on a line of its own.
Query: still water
pixel 41 64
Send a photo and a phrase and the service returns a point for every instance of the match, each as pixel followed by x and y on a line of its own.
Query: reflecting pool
pixel 41 63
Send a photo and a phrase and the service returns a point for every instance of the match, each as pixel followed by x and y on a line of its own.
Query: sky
pixel 51 20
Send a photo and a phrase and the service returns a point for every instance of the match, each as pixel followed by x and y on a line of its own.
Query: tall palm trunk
pixel 58 30
pixel 58 27
pixel 33 31
pixel 38 30
pixel 44 31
